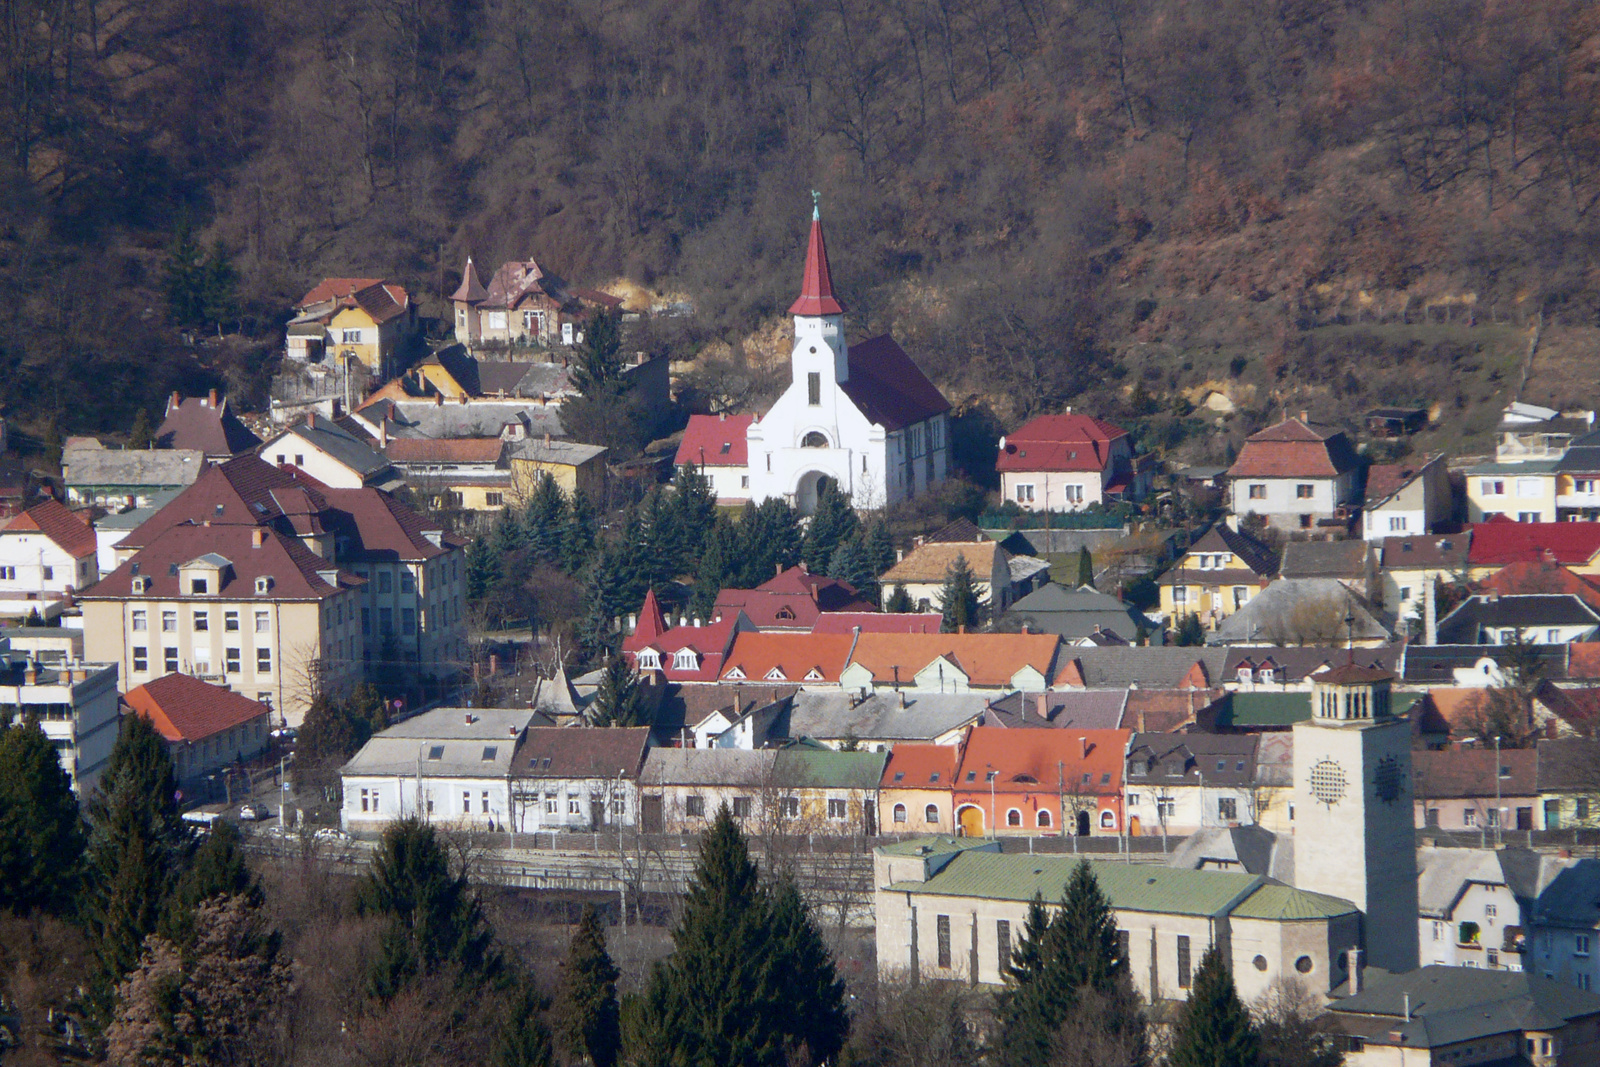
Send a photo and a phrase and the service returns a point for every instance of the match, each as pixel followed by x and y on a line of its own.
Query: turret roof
pixel 816 286
pixel 471 290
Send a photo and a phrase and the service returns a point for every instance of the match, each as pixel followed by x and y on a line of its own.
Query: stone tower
pixel 1353 819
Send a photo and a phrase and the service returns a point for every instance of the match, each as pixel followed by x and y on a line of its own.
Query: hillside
pixel 1307 203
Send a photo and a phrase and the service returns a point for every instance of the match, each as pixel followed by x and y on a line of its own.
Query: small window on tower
pixel 814 389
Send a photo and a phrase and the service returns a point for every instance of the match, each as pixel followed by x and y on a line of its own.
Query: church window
pixel 814 389
pixel 814 439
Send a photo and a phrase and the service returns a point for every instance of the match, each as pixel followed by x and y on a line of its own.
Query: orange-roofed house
pixel 470 473
pixel 46 554
pixel 999 578
pixel 1296 475
pixel 952 663
pixel 206 727
pixel 1067 462
pixel 806 660
pixel 365 320
pixel 714 446
pixel 914 795
pixel 1040 782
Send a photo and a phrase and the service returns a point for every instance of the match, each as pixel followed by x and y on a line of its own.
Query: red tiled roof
pixel 379 527
pixel 920 767
pixel 515 282
pixel 768 610
pixel 715 441
pixel 182 708
pixel 796 657
pixel 598 296
pixel 444 450
pixel 1583 659
pixel 710 642
pixel 1027 761
pixel 1294 449
pixel 1473 772
pixel 64 529
pixel 989 660
pixel 1567 543
pixel 1065 442
pixel 877 622
pixel 816 284
pixel 1540 576
pixel 651 625
pixel 379 299
pixel 1384 480
pixel 888 388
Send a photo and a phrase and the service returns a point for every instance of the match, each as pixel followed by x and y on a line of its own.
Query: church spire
pixel 816 287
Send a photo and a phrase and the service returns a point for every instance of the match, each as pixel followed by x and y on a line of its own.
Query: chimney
pixel 722 416
pixel 1430 614
pixel 777 568
pixel 494 663
pixel 1044 708
pixel 1304 417
pixel 900 698
pixel 1083 743
pixel 547 439
pixel 383 434
pixel 899 555
pixel 468 718
pixel 211 399
pixel 30 675
pixel 438 400
pixel 1352 963
pixel 258 537
pixel 961 629
pixel 512 730
pixel 311 419
pixel 177 398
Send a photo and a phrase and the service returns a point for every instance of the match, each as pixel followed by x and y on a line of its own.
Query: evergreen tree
pixel 483 568
pixel 899 601
pixel 1089 934
pixel 509 537
pixel 137 845
pixel 141 436
pixel 598 372
pixel 523 1040
pixel 696 506
pixel 852 563
pixel 1027 1016
pixel 717 565
pixel 816 993
pixel 1085 568
pixel 587 1006
pixel 219 287
pixel 185 277
pixel 958 599
pixel 833 522
pixel 41 833
pixel 1214 1028
pixel 217 869
pixel 577 536
pixel 1190 632
pixel 545 520
pixel 769 540
pixel 435 921
pixel 880 547
pixel 618 701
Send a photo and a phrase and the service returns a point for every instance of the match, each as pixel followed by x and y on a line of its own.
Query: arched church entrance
pixel 808 489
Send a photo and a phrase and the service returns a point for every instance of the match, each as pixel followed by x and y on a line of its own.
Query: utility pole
pixel 1498 820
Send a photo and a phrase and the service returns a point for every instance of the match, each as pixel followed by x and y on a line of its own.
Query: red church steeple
pixel 816 288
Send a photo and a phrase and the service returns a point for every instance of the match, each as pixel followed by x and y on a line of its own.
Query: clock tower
pixel 1353 819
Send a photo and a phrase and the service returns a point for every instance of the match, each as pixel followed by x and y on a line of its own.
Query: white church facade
pixel 864 415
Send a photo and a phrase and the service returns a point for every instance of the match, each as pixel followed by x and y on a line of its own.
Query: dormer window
pixel 686 659
pixel 785 613
pixel 1244 675
pixel 776 675
pixel 198 586
pixel 649 660
pixel 1266 675
pixel 814 675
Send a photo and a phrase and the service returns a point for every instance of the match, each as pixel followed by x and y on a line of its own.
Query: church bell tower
pixel 819 345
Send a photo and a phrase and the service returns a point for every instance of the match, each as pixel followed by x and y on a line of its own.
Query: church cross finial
pixel 816 205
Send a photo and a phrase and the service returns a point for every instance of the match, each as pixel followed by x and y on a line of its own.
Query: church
pixel 864 415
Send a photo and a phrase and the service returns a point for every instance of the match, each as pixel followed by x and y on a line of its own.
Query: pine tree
pixel 958 599
pixel 185 277
pixel 1214 1028
pixel 833 522
pixel 141 435
pixel 587 1006
pixel 618 701
pixel 1085 568
pixel 1027 1019
pixel 219 287
pixel 816 993
pixel 598 372
pixel 41 833
pixel 137 845
pixel 435 921
pixel 483 568
pixel 1089 934
pixel 523 1040
pixel 880 547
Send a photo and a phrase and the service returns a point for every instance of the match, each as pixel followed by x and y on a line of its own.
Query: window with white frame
pixel 1074 494
pixel 838 808
pixel 686 659
pixel 1025 493
pixel 1530 488
pixel 649 660
pixel 1257 492
pixel 1580 944
pixel 350 337
pixel 1491 487
pixel 1397 524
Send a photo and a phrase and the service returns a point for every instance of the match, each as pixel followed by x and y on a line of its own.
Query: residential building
pixel 1578 480
pixel 915 790
pixel 1170 667
pixel 1031 782
pixel 1083 615
pixel 999 578
pixel 1408 564
pixel 522 305
pixel 73 701
pixel 47 553
pixel 204 424
pixel 332 455
pixel 470 473
pixel 1569 783
pixel 1438 1016
pixel 1217 576
pixel 1575 545
pixel 1068 462
pixel 863 414
pixel 1354 564
pixel 742 722
pixel 1523 481
pixel 574 466
pixel 449 766
pixel 1178 784
pixel 954 909
pixel 207 728
pixel 1257 669
pixel 362 320
pixel 794 599
pixel 715 447
pixel 1296 475
pixel 1478 905
pixel 1537 618
pixel 806 660
pixel 884 720
pixel 576 778
pixel 1406 499
pixel 125 477
pixel 385 414
pixel 687 652
pixel 951 663
pixel 793 791
pixel 1305 611
pixel 1564 924
pixel 1470 790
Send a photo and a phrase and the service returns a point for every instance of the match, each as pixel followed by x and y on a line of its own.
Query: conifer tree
pixel 41 832
pixel 815 992
pixel 833 522
pixel 523 1040
pixel 899 601
pixel 618 701
pixel 1027 1018
pixel 850 564
pixel 598 372
pixel 958 598
pixel 141 435
pixel 434 920
pixel 545 520
pixel 587 1006
pixel 137 845
pixel 1088 944
pixel 880 548
pixel 769 540
pixel 185 277
pixel 1190 632
pixel 219 287
pixel 1085 568
pixel 577 536
pixel 717 565
pixel 483 568
pixel 217 869
pixel 1214 1028
pixel 696 507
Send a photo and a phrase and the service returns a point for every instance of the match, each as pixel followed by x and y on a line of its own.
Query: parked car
pixel 251 813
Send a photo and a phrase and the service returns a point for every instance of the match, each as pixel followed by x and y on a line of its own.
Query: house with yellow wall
pixel 574 466
pixel 366 320
pixel 1219 574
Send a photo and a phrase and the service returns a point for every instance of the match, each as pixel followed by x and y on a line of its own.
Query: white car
pixel 251 813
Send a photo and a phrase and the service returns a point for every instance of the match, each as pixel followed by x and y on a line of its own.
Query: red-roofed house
pixel 364 319
pixel 1541 576
pixel 878 622
pixel 1406 499
pixel 1067 462
pixel 715 446
pixel 1040 781
pixel 46 554
pixel 205 726
pixel 688 652
pixel 1574 545
pixel 795 659
pixel 1296 475
pixel 863 415
pixel 792 600
pixel 914 793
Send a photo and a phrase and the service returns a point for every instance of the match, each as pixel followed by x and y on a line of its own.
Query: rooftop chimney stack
pixel 211 399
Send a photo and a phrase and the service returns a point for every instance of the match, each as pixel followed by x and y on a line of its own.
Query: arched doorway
pixel 1083 824
pixel 807 490
pixel 971 821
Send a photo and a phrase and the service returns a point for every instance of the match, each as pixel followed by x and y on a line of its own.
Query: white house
pixel 1406 499
pixel 577 778
pixel 75 703
pixel 715 446
pixel 332 455
pixel 864 415
pixel 1068 462
pixel 46 553
pixel 1296 475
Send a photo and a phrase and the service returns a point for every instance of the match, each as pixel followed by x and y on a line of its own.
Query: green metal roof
pixel 1130 887
pixel 825 768
pixel 934 846
pixel 1266 709
pixel 1539 466
pixel 1285 903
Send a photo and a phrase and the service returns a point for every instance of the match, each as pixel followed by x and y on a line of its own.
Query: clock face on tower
pixel 1328 781
pixel 1386 780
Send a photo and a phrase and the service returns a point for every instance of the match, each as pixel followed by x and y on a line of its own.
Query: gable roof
pixel 186 709
pixel 1326 559
pixel 86 462
pixel 1386 480
pixel 1085 709
pixel 888 387
pixel 1456 773
pixel 795 658
pixel 1568 543
pixel 830 594
pixel 715 441
pixel 816 282
pixel 1436 1005
pixel 1541 576
pixel 883 716
pixel 925 766
pixel 1476 613
pixel 337 442
pixel 1296 663
pixel 1026 761
pixel 1198 758
pixel 64 529
pixel 381 300
pixel 878 622
pixel 1294 448
pixel 805 767
pixel 206 424
pixel 1066 442
pixel 295 571
pixel 607 752
pixel 930 562
pixel 1269 617
pixel 1426 552
pixel 1222 538
pixel 989 660
pixel 447 450
pixel 457 742
pixel 1156 667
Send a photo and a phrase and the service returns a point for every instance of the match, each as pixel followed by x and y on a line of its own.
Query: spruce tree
pixel 141 435
pixel 1214 1028
pixel 41 833
pixel 137 845
pixel 587 1006
pixel 850 564
pixel 483 568
pixel 545 520
pixel 833 522
pixel 717 565
pixel 185 277
pixel 769 540
pixel 1190 632
pixel 880 547
pixel 434 920
pixel 598 372
pixel 217 869
pixel 816 994
pixel 696 508
pixel 219 287
pixel 1089 934
pixel 523 1040
pixel 618 701
pixel 958 598
pixel 1085 568
pixel 577 535
pixel 1027 1017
